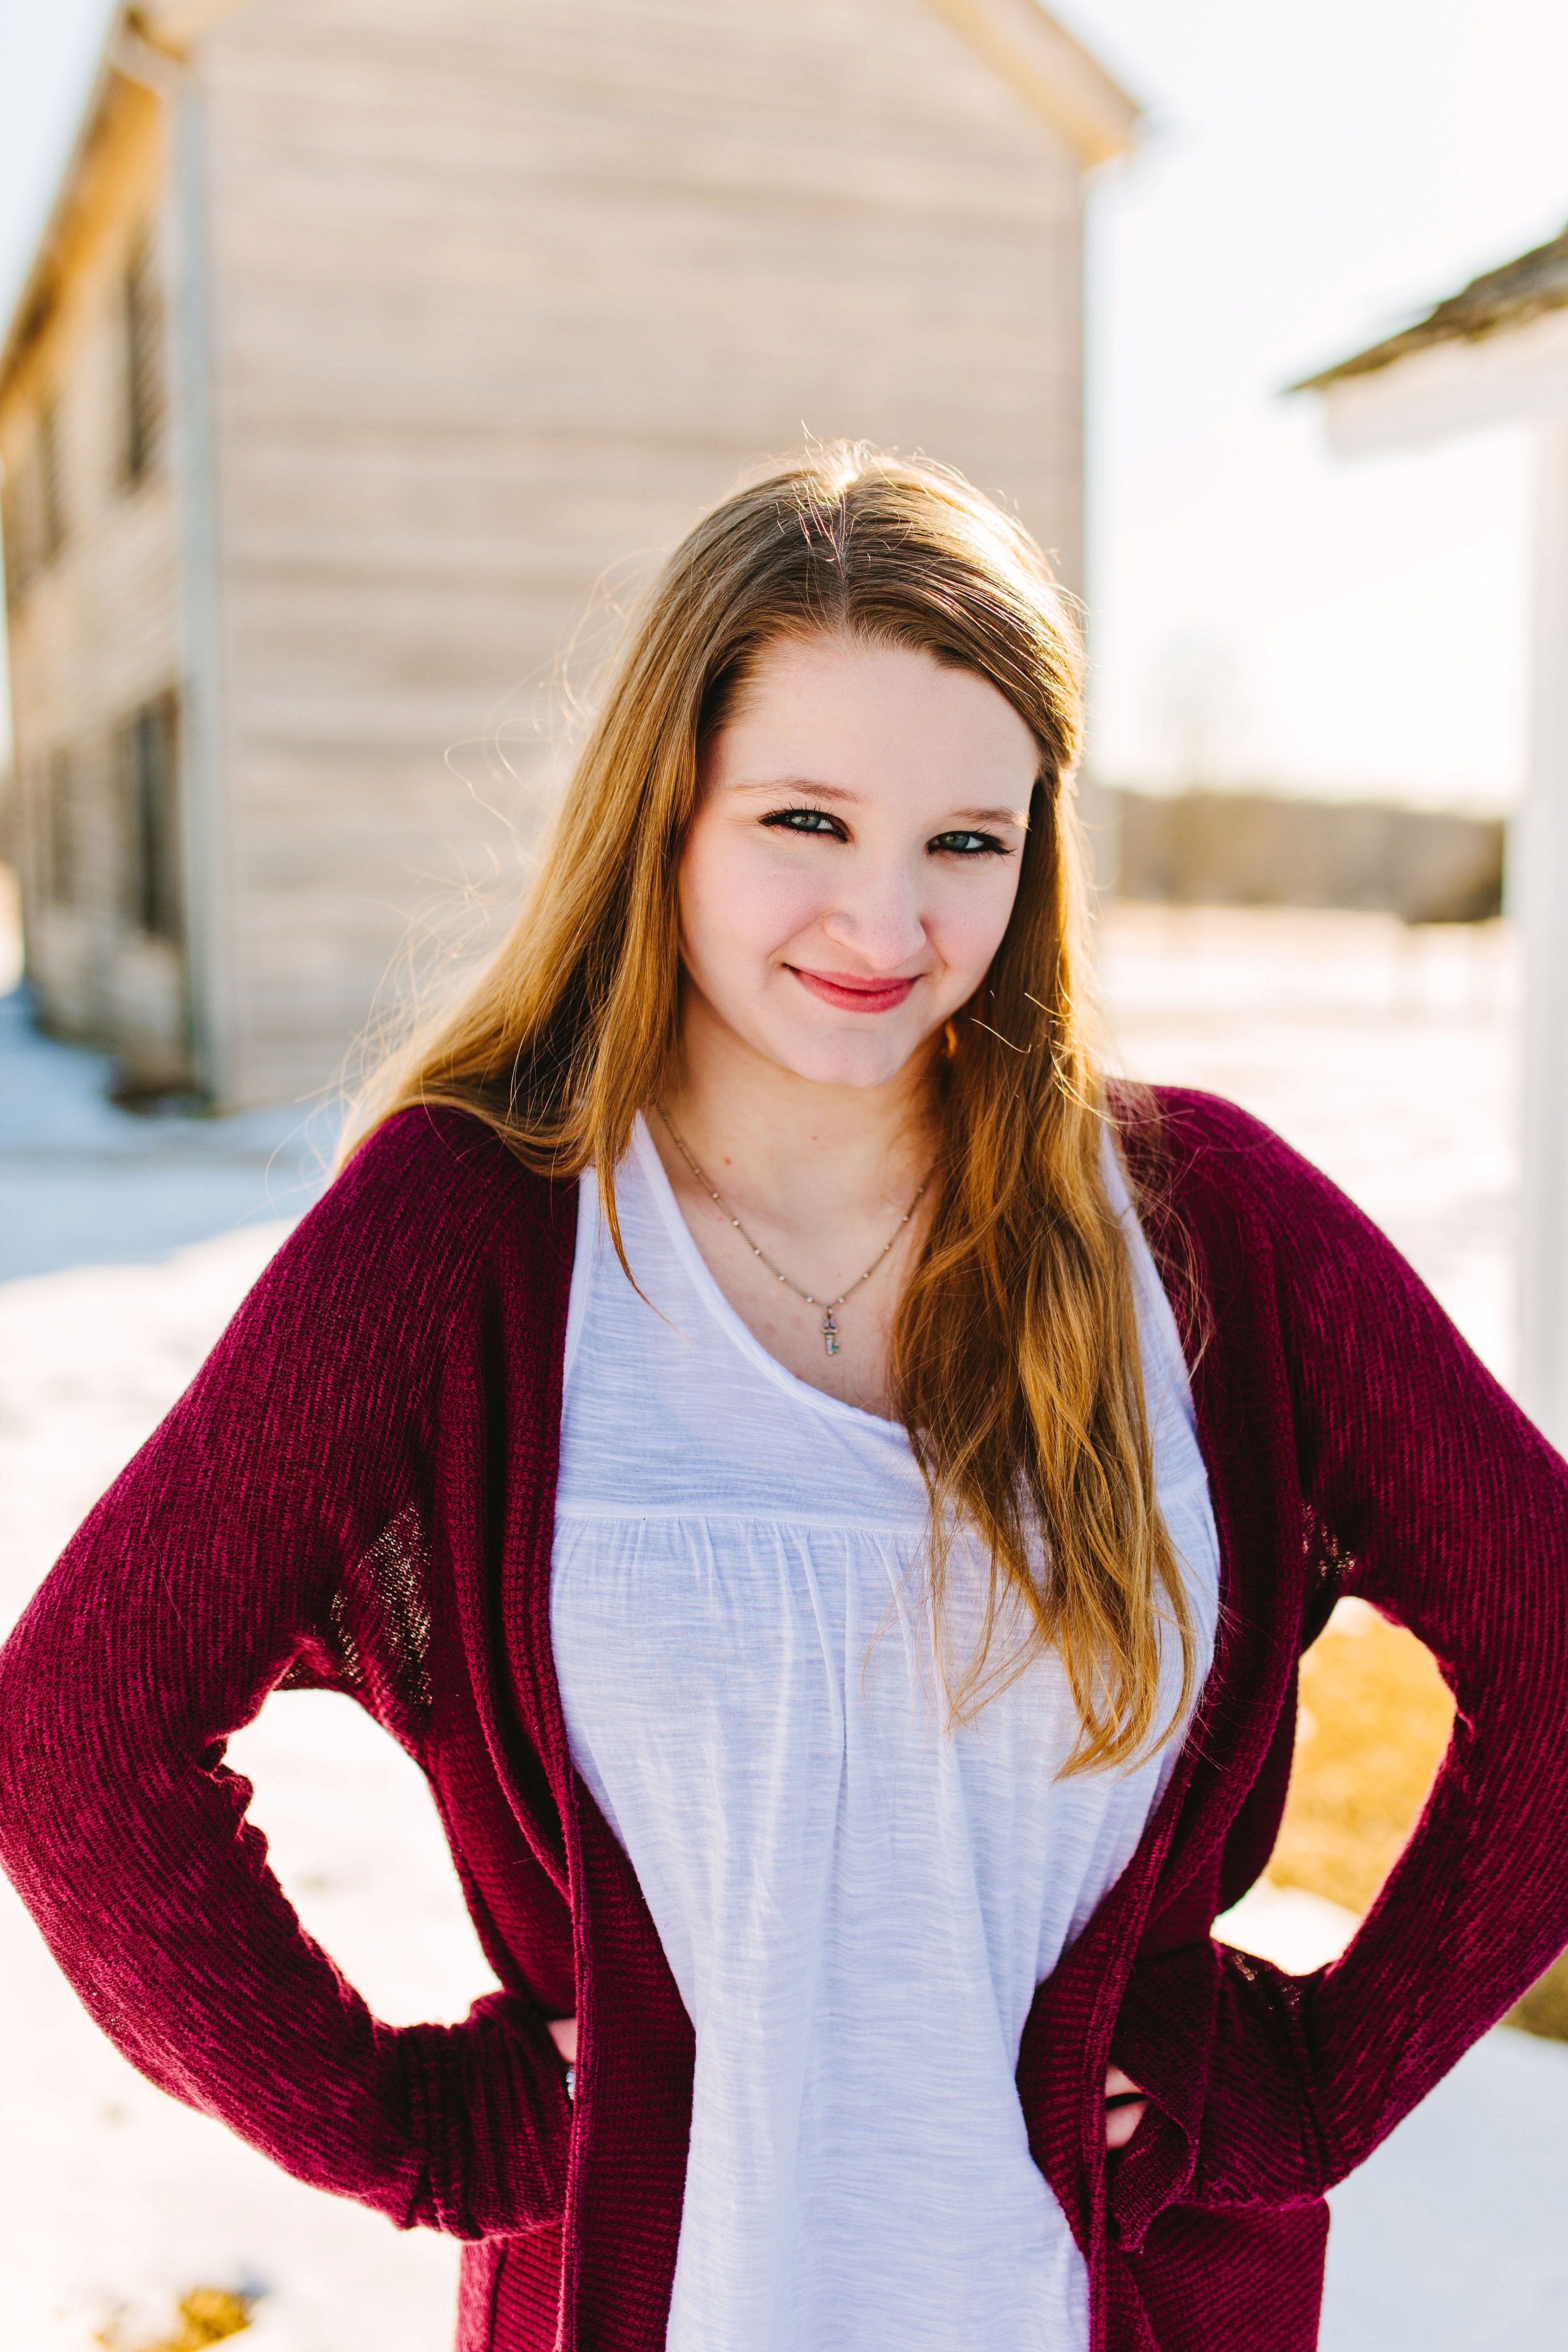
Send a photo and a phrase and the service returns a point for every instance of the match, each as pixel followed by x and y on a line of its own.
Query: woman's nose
pixel 879 917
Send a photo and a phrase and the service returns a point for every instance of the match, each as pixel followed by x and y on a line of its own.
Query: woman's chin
pixel 863 1064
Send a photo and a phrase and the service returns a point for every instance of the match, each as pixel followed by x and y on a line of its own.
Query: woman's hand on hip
pixel 1125 2106
pixel 563 2031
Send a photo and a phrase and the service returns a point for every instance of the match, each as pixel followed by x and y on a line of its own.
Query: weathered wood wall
pixel 92 618
pixel 506 290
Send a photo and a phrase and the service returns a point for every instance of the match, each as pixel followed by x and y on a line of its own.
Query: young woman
pixel 841 1568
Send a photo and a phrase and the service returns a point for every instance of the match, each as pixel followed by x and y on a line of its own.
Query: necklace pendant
pixel 830 1332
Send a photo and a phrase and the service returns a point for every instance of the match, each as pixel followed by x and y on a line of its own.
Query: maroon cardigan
pixel 357 1492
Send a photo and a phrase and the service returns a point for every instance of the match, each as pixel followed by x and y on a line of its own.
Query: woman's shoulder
pixel 1206 1170
pixel 416 1210
pixel 1182 1137
pixel 435 1151
pixel 1186 1120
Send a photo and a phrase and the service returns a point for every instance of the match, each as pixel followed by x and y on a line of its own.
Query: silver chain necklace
pixel 829 1327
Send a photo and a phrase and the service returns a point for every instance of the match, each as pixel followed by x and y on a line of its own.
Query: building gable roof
pixel 1052 70
pixel 127 56
pixel 1020 39
pixel 1520 291
pixel 175 24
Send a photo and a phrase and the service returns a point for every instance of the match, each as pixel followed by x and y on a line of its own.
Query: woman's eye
pixel 806 819
pixel 969 845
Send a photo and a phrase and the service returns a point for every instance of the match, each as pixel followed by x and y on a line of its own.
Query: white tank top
pixel 857 1903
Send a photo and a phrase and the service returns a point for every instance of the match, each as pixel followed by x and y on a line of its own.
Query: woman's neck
pixel 813 1182
pixel 798 1152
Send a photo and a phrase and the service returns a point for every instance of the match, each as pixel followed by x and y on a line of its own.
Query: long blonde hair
pixel 1016 1360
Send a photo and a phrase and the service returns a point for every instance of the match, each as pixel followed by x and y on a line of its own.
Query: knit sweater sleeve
pixel 1448 1511
pixel 1451 1512
pixel 210 1570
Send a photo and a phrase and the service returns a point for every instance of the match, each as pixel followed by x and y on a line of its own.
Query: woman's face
pixel 855 855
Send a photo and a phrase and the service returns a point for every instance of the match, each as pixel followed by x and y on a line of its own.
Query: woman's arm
pixel 1452 1512
pixel 1449 1512
pixel 218 1559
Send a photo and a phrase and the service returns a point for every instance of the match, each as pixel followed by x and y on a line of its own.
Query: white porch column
pixel 1540 892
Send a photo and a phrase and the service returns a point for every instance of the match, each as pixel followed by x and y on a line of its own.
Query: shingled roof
pixel 1509 297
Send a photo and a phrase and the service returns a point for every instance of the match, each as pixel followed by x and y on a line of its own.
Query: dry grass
pixel 1375 1719
pixel 1544 2009
pixel 206 2315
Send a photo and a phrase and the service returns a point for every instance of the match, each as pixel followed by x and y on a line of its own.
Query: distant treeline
pixel 1252 849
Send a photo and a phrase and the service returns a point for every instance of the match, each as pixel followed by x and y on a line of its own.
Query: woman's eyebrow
pixel 797 784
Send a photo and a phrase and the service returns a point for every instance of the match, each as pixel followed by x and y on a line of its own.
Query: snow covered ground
pixel 1384 1055
pixel 83 1183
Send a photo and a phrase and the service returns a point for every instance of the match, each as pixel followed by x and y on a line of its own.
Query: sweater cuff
pixel 487 2106
pixel 1219 2041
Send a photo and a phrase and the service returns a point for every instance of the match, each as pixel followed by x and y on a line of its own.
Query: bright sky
pixel 1313 172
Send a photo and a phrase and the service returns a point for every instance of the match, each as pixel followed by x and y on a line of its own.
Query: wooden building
pixel 367 333
pixel 1496 352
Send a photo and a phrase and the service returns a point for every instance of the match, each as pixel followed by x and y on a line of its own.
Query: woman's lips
pixel 842 989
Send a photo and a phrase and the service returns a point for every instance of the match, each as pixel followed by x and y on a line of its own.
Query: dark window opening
pixel 51 502
pixel 149 759
pixel 143 310
pixel 62 861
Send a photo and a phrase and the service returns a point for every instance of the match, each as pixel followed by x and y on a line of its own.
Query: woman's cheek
pixel 763 903
pixel 967 934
